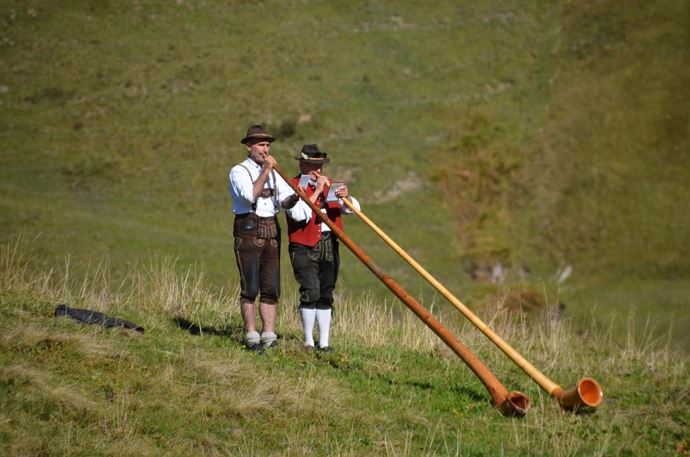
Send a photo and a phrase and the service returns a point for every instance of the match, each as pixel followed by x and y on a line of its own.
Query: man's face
pixel 312 169
pixel 258 151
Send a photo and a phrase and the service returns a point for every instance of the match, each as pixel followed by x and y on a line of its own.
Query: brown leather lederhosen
pixel 257 252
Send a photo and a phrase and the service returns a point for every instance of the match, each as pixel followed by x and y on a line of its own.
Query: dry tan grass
pixel 157 287
pixel 37 338
pixel 235 389
pixel 376 325
pixel 43 387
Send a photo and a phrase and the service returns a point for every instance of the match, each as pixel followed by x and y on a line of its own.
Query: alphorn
pixel 509 403
pixel 587 392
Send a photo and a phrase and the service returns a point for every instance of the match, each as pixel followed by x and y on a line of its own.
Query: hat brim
pixel 259 137
pixel 314 161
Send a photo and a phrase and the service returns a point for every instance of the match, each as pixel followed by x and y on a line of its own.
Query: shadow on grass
pixel 195 328
pixel 469 393
pixel 233 330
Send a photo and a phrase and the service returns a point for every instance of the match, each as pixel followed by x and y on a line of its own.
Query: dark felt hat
pixel 256 132
pixel 310 153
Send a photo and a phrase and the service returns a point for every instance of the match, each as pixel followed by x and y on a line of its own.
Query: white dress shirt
pixel 302 212
pixel 242 178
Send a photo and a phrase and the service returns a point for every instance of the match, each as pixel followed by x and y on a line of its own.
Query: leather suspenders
pixel 267 191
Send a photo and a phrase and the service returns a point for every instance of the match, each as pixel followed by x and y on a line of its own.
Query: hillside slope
pixel 535 134
pixel 186 386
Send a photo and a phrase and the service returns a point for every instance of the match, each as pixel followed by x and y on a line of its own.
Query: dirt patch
pixel 398 189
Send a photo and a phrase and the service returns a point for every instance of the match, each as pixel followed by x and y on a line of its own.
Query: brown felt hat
pixel 256 132
pixel 310 153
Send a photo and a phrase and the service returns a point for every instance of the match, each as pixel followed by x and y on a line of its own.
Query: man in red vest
pixel 313 249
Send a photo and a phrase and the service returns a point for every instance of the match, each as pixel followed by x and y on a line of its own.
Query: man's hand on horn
pixel 269 162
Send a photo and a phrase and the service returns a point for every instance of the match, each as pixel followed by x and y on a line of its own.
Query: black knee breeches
pixel 316 271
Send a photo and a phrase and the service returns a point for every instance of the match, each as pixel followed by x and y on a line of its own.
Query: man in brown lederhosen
pixel 258 193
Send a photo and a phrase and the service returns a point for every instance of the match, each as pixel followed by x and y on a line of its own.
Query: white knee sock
pixel 323 317
pixel 267 339
pixel 308 315
pixel 252 338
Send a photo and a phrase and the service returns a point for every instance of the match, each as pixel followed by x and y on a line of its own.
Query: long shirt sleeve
pixel 302 212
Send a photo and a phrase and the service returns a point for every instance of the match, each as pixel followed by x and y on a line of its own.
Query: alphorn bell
pixel 509 403
pixel 587 392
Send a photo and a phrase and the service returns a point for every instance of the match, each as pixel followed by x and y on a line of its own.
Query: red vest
pixel 308 233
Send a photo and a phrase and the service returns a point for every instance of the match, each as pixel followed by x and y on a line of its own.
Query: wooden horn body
pixel 509 403
pixel 587 392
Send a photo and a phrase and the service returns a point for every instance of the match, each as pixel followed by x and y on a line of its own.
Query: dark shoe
pixel 326 349
pixel 270 344
pixel 254 347
pixel 309 348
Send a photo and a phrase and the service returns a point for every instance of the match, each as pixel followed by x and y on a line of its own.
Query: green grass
pixel 540 134
pixel 391 388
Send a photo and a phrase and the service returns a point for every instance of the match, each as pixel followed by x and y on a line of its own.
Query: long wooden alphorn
pixel 509 403
pixel 587 392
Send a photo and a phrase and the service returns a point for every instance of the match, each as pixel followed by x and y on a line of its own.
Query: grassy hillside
pixel 186 386
pixel 535 134
pixel 601 183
